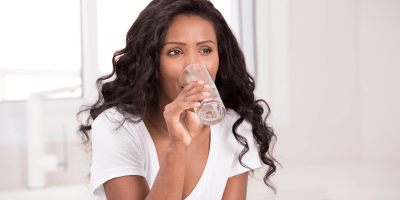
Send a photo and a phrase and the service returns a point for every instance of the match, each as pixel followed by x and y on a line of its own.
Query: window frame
pixel 89 72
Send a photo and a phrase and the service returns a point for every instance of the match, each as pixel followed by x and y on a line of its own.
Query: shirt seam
pixel 112 170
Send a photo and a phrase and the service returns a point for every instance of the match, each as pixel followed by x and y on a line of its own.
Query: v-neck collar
pixel 212 155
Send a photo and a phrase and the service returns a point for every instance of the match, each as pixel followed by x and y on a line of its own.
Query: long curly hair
pixel 133 86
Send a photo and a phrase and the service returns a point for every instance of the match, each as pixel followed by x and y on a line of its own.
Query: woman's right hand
pixel 182 122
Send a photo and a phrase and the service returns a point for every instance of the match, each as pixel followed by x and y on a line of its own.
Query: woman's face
pixel 190 39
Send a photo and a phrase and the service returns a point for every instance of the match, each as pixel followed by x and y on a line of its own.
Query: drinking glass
pixel 211 110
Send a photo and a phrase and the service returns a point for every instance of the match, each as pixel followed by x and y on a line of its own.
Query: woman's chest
pixel 195 163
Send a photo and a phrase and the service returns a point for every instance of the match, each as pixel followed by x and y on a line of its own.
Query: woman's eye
pixel 206 51
pixel 174 52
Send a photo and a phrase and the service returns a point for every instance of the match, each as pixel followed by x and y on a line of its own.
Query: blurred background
pixel 327 68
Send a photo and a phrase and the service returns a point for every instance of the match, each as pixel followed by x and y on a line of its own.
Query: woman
pixel 147 143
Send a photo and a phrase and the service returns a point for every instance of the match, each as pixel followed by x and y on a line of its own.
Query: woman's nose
pixel 192 58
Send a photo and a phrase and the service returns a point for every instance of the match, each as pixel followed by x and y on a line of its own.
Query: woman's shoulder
pixel 231 113
pixel 113 124
pixel 225 130
pixel 109 115
pixel 112 116
pixel 231 116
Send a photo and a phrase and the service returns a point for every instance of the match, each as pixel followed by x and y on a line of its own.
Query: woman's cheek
pixel 214 69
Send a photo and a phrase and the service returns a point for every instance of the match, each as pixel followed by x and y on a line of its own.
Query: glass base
pixel 211 112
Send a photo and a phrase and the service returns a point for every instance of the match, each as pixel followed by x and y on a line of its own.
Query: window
pixel 40 48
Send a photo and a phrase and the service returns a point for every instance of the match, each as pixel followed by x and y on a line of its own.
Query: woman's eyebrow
pixel 205 42
pixel 184 44
pixel 179 43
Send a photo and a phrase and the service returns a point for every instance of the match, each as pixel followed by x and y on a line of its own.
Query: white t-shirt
pixel 130 150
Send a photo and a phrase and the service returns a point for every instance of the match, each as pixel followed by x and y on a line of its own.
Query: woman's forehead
pixel 190 29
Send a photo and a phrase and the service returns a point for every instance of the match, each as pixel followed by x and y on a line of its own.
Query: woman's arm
pixel 183 126
pixel 236 187
pixel 126 187
pixel 169 180
pixel 167 185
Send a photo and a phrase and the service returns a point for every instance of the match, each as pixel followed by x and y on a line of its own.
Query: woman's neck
pixel 155 119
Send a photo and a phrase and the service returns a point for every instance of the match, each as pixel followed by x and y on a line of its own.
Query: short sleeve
pixel 251 158
pixel 116 152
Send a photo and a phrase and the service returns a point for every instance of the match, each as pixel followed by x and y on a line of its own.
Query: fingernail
pixel 207 86
pixel 206 93
pixel 201 82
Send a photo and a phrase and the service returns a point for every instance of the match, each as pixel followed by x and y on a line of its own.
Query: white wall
pixel 324 84
pixel 379 55
pixel 344 63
